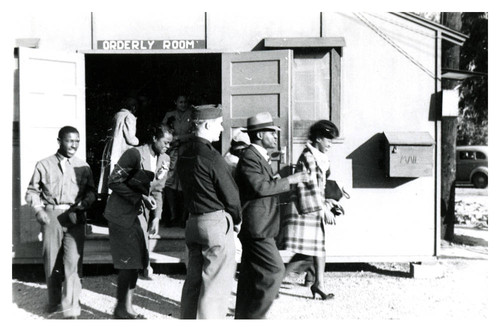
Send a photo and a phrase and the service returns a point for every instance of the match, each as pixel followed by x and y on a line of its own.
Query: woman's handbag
pixel 333 191
pixel 141 181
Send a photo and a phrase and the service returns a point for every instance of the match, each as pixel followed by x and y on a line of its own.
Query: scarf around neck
pixel 321 158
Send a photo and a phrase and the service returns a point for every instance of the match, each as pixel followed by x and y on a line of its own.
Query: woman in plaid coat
pixel 306 215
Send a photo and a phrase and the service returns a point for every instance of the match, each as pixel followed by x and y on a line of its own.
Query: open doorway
pixel 154 79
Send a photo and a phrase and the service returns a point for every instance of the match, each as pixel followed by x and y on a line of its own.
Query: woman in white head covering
pixel 239 142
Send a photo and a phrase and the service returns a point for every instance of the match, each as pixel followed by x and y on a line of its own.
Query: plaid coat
pixel 303 228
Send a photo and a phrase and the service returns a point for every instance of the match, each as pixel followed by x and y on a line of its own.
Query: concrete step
pixel 155 245
pixel 94 232
pixel 104 257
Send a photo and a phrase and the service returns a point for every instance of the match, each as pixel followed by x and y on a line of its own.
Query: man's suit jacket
pixel 259 193
pixel 125 201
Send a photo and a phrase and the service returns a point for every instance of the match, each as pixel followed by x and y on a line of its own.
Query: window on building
pixel 311 89
pixel 316 78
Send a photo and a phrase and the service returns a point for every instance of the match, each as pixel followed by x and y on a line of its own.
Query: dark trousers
pixel 176 214
pixel 261 273
pixel 62 258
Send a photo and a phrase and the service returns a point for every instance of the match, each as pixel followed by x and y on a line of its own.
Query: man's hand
pixel 298 177
pixel 42 217
pixel 154 228
pixel 149 202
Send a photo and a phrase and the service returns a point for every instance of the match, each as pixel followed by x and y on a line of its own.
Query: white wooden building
pixel 376 76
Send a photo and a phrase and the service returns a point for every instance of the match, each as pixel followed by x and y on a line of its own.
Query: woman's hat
pixel 261 121
pixel 324 128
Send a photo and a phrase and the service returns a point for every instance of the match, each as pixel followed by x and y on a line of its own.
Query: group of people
pixel 219 201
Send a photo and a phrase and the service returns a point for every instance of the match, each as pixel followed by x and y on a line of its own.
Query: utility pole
pixel 450 60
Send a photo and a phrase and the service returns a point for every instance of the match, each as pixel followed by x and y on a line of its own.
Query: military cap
pixel 206 112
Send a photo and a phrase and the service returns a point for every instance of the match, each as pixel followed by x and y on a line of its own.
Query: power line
pixel 393 44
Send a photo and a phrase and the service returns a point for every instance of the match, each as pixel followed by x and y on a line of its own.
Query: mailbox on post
pixel 409 154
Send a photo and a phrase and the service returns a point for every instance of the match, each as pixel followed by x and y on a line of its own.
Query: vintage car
pixel 472 165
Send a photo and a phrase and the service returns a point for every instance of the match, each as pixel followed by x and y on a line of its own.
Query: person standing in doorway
pixel 262 268
pixel 213 203
pixel 123 137
pixel 180 120
pixel 61 189
pixel 150 219
pixel 127 210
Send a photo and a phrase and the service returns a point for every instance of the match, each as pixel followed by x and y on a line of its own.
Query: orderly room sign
pixel 146 45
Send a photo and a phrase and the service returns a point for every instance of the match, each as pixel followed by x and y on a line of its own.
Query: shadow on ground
pixel 385 269
pixel 29 291
pixel 469 241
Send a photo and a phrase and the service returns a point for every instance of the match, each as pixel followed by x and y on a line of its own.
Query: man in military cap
pixel 214 208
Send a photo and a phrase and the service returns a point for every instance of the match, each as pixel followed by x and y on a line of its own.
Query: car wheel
pixel 480 180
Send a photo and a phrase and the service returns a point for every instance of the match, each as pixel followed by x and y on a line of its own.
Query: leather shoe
pixel 324 296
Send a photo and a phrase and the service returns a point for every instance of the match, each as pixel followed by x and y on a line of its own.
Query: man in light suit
pixel 262 268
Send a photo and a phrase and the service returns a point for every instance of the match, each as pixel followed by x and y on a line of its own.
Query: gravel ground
pixel 362 292
pixel 375 292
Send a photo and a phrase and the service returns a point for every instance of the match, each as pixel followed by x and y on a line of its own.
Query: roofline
pixel 448 34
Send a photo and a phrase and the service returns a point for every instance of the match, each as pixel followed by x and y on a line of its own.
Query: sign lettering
pixel 408 159
pixel 150 44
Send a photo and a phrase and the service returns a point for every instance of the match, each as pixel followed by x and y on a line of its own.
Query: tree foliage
pixel 473 118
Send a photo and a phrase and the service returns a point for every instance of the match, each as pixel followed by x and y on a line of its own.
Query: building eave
pixel 447 34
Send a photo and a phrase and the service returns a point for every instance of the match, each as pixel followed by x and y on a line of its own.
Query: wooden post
pixel 448 174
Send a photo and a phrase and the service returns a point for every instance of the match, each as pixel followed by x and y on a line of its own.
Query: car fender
pixel 482 169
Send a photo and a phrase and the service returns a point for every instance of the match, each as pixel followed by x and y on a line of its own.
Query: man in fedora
pixel 214 207
pixel 262 268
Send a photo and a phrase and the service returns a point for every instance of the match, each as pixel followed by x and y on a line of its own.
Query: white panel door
pixel 51 95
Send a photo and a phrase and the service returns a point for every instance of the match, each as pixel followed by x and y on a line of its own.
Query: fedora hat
pixel 260 121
